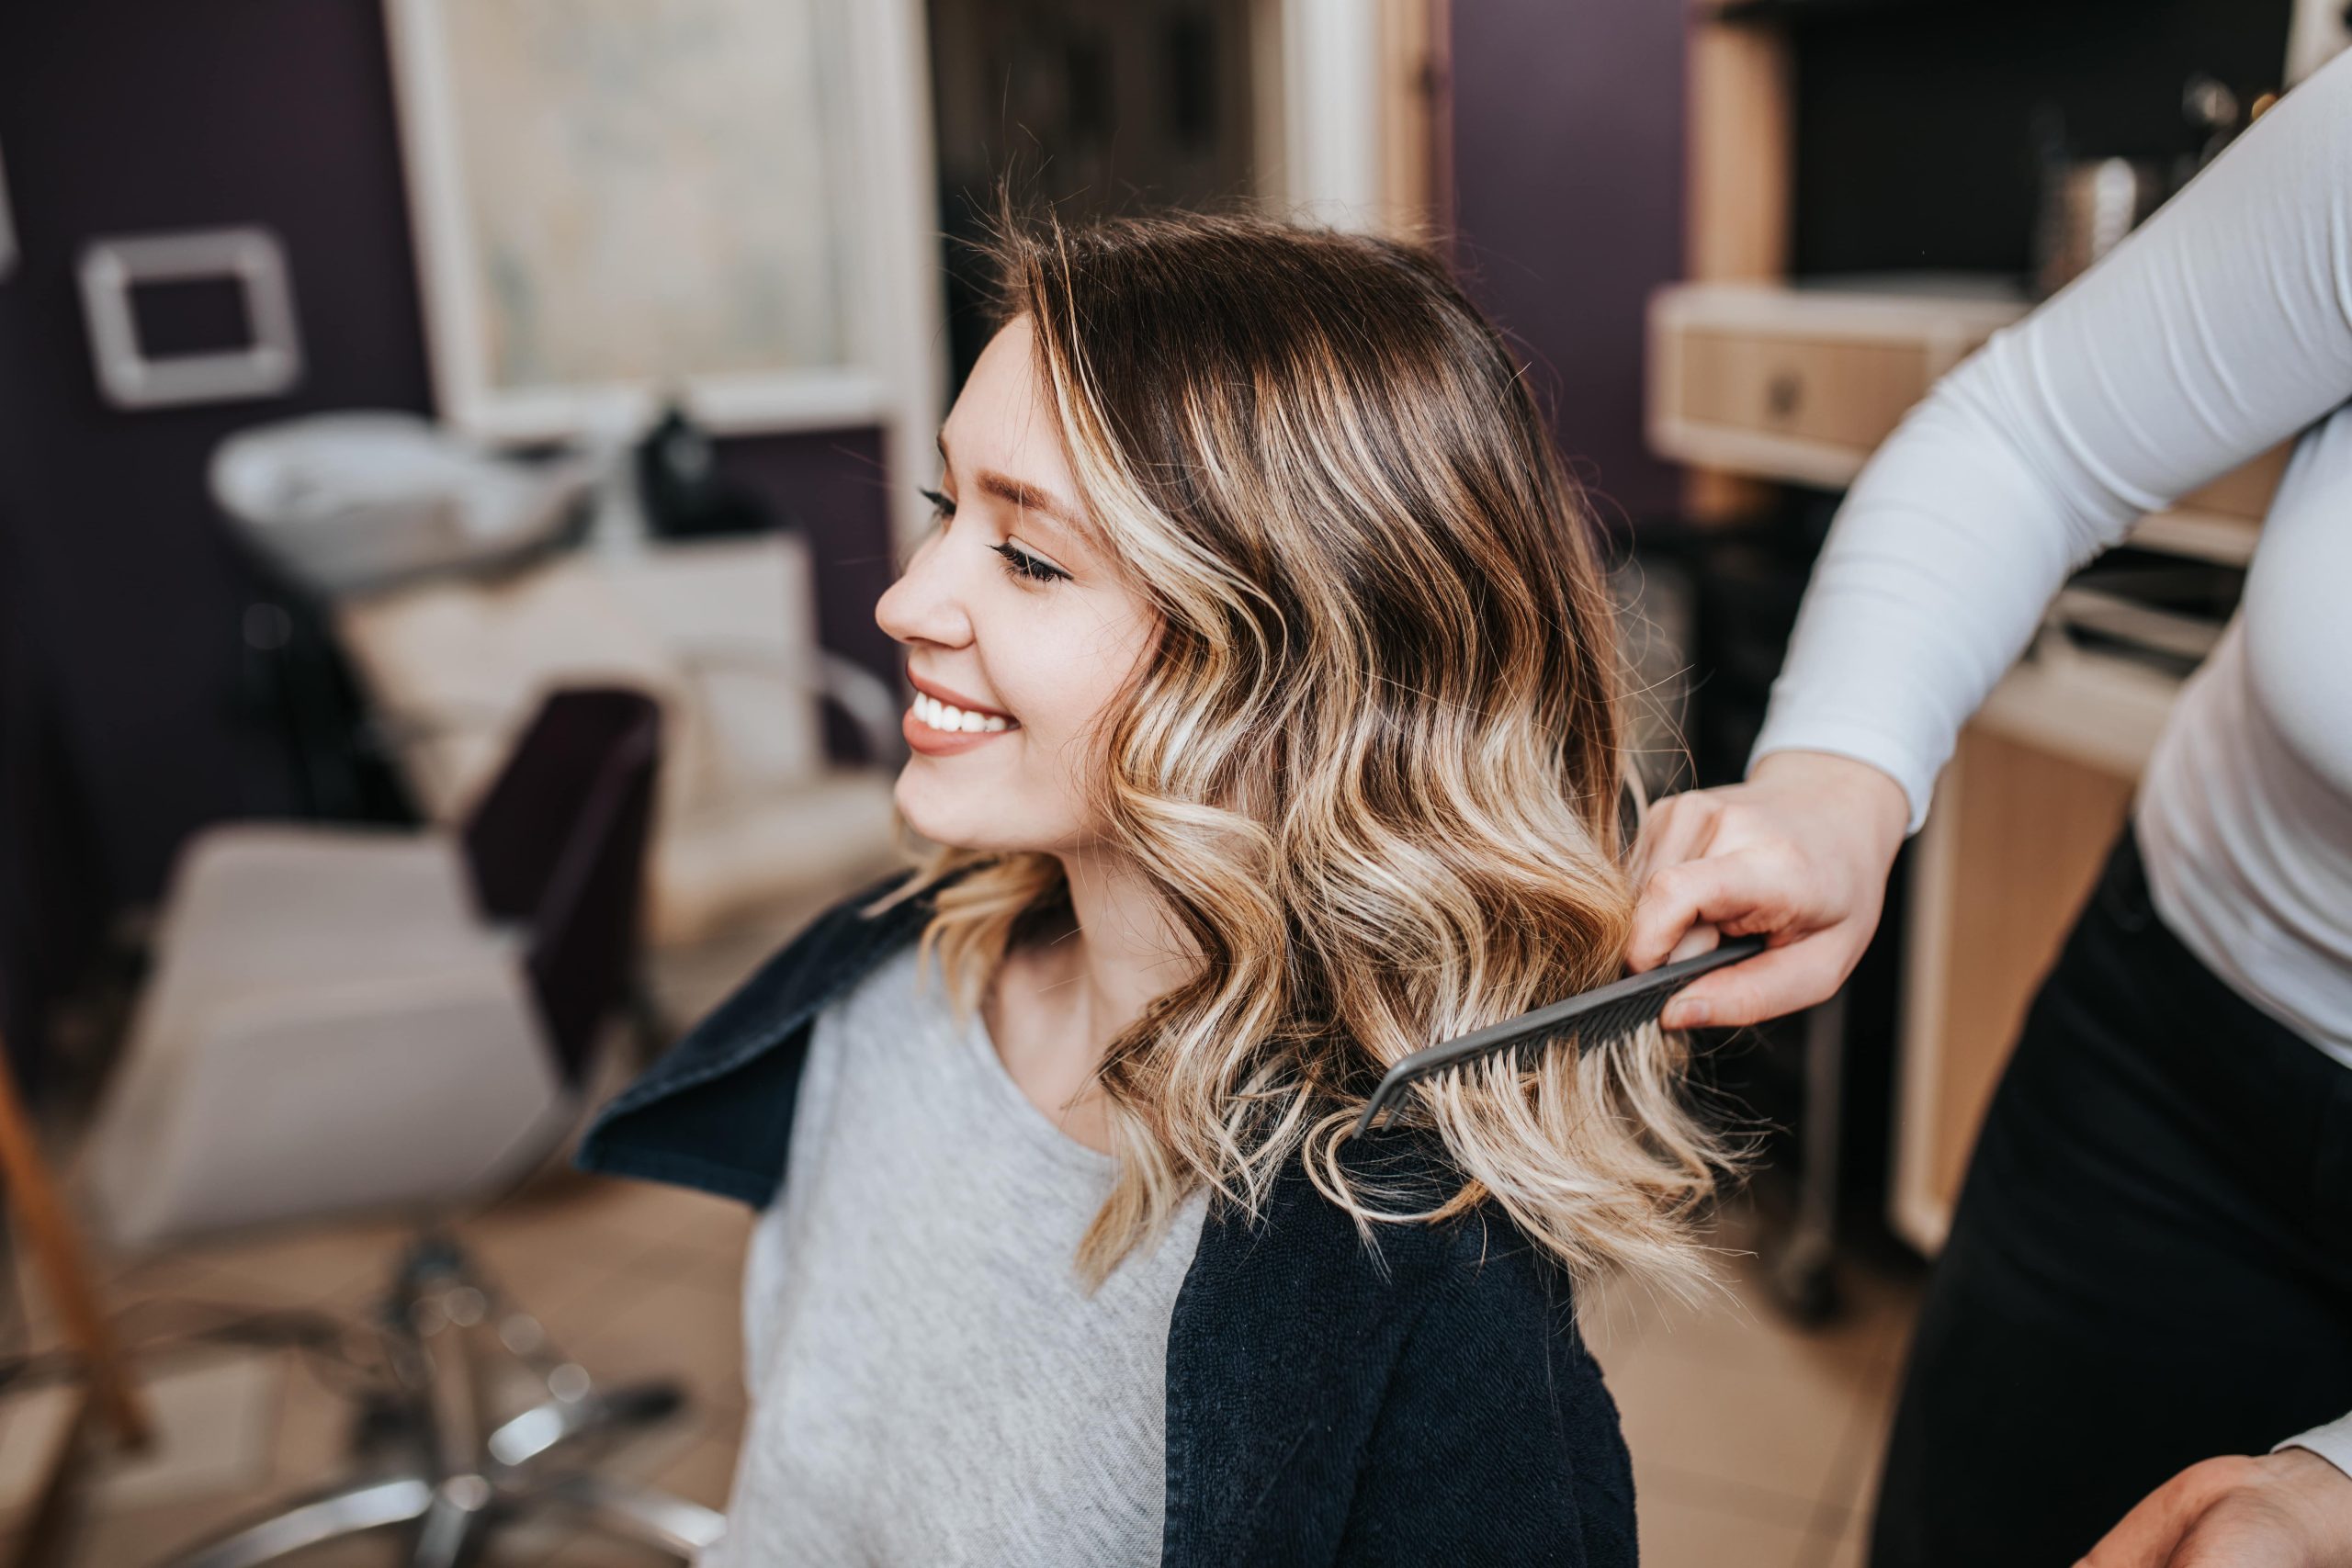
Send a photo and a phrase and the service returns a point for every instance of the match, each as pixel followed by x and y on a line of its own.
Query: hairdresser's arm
pixel 2220 328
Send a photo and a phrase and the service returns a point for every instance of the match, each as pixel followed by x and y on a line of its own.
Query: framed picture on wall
pixel 724 201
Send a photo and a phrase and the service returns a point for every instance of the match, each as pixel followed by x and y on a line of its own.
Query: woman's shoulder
pixel 1495 1380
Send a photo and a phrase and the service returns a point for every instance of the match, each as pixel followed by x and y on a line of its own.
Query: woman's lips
pixel 952 697
pixel 934 742
pixel 941 721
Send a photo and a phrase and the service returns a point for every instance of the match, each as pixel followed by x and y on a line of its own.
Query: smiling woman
pixel 1266 730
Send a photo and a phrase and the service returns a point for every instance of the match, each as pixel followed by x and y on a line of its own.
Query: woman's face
pixel 1005 611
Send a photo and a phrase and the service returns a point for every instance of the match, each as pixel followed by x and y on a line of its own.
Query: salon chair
pixel 754 828
pixel 344 1019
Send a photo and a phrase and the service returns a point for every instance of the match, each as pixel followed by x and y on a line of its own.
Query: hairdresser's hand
pixel 2290 1509
pixel 1801 851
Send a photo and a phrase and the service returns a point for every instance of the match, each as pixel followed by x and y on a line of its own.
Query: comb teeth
pixel 1593 1020
pixel 1613 1022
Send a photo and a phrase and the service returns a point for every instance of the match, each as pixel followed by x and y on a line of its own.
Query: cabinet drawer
pixel 1783 383
pixel 1849 394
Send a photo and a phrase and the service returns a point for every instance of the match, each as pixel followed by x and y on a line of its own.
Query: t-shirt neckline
pixel 1026 1113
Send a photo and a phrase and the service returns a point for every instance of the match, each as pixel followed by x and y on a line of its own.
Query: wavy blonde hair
pixel 1373 766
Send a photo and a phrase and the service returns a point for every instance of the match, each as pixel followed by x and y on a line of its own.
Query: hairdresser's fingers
pixel 1679 827
pixel 1744 890
pixel 1773 984
pixel 1697 941
pixel 1800 850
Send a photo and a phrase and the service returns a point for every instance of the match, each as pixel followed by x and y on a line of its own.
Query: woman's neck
pixel 1060 999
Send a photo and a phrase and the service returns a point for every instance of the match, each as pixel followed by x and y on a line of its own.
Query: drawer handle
pixel 1782 393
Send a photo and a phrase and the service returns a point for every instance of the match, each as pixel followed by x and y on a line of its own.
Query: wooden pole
pixel 57 1248
pixel 1741 113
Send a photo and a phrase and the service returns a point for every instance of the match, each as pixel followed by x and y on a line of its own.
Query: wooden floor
pixel 1753 1444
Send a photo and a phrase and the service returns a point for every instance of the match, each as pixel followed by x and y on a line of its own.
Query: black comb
pixel 1597 1016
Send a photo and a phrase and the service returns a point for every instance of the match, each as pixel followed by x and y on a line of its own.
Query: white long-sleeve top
pixel 2220 328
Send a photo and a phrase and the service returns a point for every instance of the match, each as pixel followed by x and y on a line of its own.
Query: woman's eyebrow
pixel 1028 497
pixel 1019 493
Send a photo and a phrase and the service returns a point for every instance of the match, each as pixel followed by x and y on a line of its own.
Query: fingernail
pixel 1688 1015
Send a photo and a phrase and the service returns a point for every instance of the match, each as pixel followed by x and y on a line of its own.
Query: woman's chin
pixel 943 815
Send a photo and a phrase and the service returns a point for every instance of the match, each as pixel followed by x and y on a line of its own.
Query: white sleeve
pixel 2219 329
pixel 2332 1443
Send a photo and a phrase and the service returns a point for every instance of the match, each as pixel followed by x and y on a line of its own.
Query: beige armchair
pixel 754 827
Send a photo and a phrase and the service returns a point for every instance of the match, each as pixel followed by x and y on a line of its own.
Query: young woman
pixel 1267 727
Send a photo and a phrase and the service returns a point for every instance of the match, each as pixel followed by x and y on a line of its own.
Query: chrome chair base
pixel 455 1480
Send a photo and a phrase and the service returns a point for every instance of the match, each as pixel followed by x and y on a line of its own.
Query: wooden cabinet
pixel 2036 789
pixel 1797 383
pixel 1768 380
pixel 1821 392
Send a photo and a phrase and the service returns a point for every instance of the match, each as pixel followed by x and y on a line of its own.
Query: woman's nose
pixel 925 604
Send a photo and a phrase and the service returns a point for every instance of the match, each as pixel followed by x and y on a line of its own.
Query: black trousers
pixel 2150 1265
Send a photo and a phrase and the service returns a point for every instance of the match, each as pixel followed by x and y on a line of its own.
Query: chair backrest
pixel 721 632
pixel 558 842
pixel 454 667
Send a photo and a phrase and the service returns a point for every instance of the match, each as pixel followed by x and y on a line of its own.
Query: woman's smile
pixel 940 723
pixel 931 736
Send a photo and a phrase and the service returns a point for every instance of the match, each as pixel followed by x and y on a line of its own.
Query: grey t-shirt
pixel 929 1384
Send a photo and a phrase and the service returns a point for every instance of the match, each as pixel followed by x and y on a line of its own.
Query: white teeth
pixel 944 716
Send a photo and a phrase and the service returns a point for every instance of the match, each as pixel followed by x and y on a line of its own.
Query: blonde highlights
pixel 1373 766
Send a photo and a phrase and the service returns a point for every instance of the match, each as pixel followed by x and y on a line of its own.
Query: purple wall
pixel 124 591
pixel 832 485
pixel 1568 192
pixel 122 118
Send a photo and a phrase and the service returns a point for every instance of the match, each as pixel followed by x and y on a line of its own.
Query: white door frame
pixel 1332 147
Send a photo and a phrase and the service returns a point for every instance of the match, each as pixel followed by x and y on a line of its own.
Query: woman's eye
pixel 1019 564
pixel 1026 567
